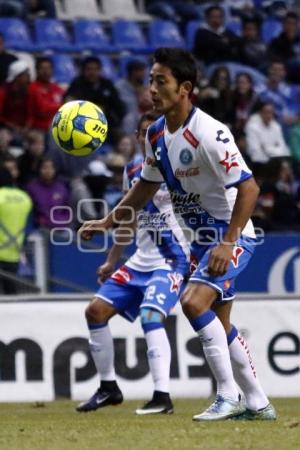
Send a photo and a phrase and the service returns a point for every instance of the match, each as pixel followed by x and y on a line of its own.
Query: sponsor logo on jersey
pixel 191 172
pixel 229 161
pixel 237 252
pixel 176 281
pixel 122 275
pixel 186 156
pixel 185 199
pixel 191 138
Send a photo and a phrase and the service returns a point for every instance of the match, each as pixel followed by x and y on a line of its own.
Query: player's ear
pixel 186 88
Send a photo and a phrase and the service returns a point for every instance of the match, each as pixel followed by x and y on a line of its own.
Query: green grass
pixel 56 426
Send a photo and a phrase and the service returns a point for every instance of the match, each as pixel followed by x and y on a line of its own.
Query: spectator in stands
pixel 126 147
pixel 6 59
pixel 213 43
pixel 264 136
pixel 14 99
pixel 44 96
pixel 244 100
pixel 294 144
pixel 11 164
pixel 29 161
pixel 287 45
pixel 48 192
pixel 280 192
pixel 217 100
pixel 15 206
pixel 283 96
pixel 129 89
pixel 252 51
pixel 92 86
pixel 6 138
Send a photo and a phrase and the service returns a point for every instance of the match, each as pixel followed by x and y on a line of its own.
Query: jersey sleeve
pixel 150 171
pixel 224 157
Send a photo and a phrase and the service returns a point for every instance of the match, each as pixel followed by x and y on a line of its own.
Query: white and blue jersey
pixel 201 165
pixel 154 275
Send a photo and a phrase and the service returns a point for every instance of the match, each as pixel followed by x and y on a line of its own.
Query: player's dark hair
pixel 181 63
pixel 149 116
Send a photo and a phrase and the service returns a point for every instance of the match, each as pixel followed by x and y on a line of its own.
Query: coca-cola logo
pixel 191 172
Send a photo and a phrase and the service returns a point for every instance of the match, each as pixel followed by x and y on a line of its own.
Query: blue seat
pixel 64 68
pixel 89 34
pixel 16 35
pixel 270 29
pixel 190 32
pixel 108 68
pixel 164 33
pixel 127 35
pixel 52 34
pixel 235 26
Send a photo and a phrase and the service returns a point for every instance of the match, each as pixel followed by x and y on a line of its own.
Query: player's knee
pixel 193 303
pixel 151 319
pixel 97 312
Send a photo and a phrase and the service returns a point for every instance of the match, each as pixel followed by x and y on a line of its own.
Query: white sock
pixel 245 374
pixel 159 358
pixel 215 347
pixel 102 350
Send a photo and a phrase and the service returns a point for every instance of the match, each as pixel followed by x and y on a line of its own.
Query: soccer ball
pixel 79 127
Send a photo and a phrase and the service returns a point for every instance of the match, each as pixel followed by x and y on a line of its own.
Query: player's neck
pixel 177 116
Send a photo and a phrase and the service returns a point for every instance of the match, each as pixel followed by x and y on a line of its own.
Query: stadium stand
pixel 128 36
pixel 126 9
pixel 64 68
pixel 52 34
pixel 164 33
pixel 73 9
pixel 17 35
pixel 90 34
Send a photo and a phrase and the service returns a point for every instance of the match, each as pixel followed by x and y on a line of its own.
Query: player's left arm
pixel 221 255
pixel 228 165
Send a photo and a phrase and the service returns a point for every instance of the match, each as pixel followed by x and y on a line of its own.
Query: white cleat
pixel 221 409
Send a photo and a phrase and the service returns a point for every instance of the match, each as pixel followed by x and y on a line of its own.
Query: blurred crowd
pixel 251 85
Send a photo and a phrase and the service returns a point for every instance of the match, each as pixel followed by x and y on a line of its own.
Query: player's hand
pixel 219 259
pixel 91 227
pixel 104 272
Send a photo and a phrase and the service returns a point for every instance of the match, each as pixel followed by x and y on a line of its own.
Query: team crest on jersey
pixel 122 275
pixel 237 252
pixel 176 281
pixel 186 156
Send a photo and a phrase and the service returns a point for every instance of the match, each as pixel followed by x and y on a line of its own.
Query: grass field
pixel 56 426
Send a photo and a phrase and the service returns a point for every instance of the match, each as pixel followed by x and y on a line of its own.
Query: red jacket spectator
pixel 44 97
pixel 14 97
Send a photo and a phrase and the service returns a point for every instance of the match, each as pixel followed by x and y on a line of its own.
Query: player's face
pixel 164 89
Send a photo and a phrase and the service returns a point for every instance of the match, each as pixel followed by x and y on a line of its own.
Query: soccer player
pixel 149 283
pixel 214 192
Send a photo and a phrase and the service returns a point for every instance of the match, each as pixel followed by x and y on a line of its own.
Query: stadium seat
pixel 190 32
pixel 235 26
pixel 64 68
pixel 127 35
pixel 123 9
pixel 89 34
pixel 108 68
pixel 16 35
pixel 75 9
pixel 164 33
pixel 270 29
pixel 52 34
pixel 125 59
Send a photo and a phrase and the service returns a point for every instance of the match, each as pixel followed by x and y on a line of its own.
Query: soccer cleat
pixel 160 404
pixel 267 413
pixel 221 409
pixel 100 399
